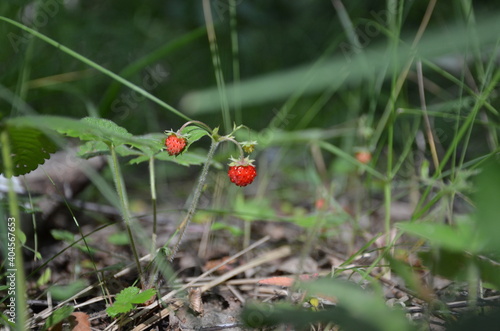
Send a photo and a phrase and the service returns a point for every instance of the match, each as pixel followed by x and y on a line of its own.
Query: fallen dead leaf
pixel 79 322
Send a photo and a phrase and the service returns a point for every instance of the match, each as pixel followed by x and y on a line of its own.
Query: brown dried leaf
pixel 79 322
pixel 195 302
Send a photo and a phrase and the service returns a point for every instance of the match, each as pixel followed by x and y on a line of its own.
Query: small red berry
pixel 320 203
pixel 241 172
pixel 364 156
pixel 175 144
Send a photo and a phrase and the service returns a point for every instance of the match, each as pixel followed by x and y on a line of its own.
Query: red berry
pixel 242 175
pixel 175 144
pixel 241 172
pixel 364 156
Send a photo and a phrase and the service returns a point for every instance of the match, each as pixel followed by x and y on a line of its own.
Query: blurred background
pixel 273 38
pixel 294 72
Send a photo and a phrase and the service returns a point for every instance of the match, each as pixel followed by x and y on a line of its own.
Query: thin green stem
pixel 226 138
pixel 14 221
pixel 236 63
pixel 219 76
pixel 199 123
pixel 194 203
pixel 122 194
pixel 481 99
pixel 153 200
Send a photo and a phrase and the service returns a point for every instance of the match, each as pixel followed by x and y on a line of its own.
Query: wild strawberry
pixel 363 156
pixel 241 172
pixel 175 144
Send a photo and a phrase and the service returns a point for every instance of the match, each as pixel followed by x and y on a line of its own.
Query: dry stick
pixel 270 256
pixel 234 257
pixel 161 314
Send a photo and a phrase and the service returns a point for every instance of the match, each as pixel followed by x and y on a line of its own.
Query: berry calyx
pixel 175 144
pixel 241 172
pixel 248 146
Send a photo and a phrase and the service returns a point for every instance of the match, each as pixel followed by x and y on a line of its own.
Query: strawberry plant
pixel 376 172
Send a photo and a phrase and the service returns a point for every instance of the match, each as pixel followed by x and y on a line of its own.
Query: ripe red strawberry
pixel 241 172
pixel 175 144
pixel 363 156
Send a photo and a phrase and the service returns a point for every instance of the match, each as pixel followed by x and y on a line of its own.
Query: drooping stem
pixel 122 194
pixel 226 138
pixel 194 203
pixel 200 124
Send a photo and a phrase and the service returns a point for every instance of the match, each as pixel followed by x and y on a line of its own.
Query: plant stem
pixel 197 193
pixel 18 272
pixel 122 194
pixel 153 201
pixel 219 76
pixel 200 124
pixel 226 138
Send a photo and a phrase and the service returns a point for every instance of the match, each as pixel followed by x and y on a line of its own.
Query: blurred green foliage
pixel 273 36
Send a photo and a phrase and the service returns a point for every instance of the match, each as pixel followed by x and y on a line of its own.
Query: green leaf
pixel 252 210
pixel 487 197
pixel 234 230
pixel 150 143
pixel 194 133
pixel 489 271
pixel 44 278
pixel 361 304
pixel 357 309
pixel 57 316
pixel 64 292
pixel 120 238
pixel 29 148
pixel 407 273
pixel 185 159
pixel 93 148
pixel 456 265
pixel 127 297
pixel 88 128
pixel 98 129
pixel 118 308
pixel 63 235
pixel 458 238
pixel 144 296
